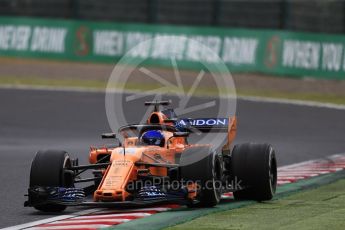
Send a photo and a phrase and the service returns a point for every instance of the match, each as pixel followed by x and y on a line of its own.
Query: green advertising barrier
pixel 242 50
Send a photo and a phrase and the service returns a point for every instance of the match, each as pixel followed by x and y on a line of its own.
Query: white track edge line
pixel 292 102
pixel 52 219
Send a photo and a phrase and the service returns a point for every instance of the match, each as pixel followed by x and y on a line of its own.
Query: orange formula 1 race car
pixel 155 164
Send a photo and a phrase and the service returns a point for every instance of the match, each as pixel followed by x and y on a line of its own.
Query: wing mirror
pixel 108 136
pixel 178 134
pixel 173 120
pixel 181 134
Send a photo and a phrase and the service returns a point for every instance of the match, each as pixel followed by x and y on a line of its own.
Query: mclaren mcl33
pixel 153 163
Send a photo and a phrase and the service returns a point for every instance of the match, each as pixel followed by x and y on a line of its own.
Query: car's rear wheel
pixel 47 170
pixel 207 172
pixel 254 168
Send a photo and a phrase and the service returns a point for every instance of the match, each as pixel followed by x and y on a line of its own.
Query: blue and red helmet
pixel 153 137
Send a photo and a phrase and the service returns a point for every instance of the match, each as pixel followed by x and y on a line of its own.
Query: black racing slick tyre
pixel 254 168
pixel 47 170
pixel 206 171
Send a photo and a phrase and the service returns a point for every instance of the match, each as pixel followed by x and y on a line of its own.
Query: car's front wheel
pixel 205 168
pixel 48 170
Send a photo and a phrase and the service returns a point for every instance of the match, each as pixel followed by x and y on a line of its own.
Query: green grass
pixel 40 81
pixel 321 208
pixel 201 91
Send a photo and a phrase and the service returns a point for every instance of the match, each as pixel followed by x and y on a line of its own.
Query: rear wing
pixel 206 125
pixel 203 124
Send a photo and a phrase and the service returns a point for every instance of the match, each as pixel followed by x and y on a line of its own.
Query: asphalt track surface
pixel 36 119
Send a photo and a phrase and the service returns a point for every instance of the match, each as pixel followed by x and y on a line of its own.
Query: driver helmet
pixel 153 137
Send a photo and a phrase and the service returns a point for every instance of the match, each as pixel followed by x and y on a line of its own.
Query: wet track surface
pixel 32 120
